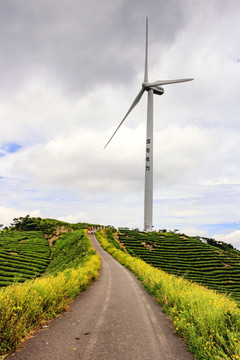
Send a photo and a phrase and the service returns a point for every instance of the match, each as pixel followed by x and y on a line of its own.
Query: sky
pixel 70 70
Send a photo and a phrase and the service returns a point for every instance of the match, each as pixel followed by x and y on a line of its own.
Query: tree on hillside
pixel 27 223
pixel 219 244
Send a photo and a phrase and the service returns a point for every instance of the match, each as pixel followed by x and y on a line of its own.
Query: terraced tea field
pixel 187 257
pixel 23 255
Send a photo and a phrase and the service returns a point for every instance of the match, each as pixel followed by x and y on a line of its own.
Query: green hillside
pixel 187 257
pixel 27 246
pixel 23 255
pixel 66 266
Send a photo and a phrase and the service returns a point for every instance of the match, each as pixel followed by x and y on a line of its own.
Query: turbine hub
pixel 145 85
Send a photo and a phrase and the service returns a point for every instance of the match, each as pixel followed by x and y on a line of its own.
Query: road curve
pixel 114 319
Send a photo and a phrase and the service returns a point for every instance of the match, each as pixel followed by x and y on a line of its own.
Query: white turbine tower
pixel 151 88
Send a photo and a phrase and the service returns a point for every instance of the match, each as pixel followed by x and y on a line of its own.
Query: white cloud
pixel 8 214
pixel 79 217
pixel 232 238
pixel 194 232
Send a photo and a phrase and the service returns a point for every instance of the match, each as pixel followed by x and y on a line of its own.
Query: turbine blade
pixel 135 102
pixel 166 82
pixel 146 54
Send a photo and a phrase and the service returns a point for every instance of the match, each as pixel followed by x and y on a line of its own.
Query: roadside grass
pixel 208 321
pixel 24 307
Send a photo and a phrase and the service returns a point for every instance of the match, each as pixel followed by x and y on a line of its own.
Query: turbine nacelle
pixel 158 90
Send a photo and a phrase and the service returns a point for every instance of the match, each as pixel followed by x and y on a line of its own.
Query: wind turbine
pixel 151 88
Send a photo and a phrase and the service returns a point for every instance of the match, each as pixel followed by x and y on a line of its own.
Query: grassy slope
pixel 208 321
pixel 23 307
pixel 187 257
pixel 25 251
pixel 23 255
pixel 71 250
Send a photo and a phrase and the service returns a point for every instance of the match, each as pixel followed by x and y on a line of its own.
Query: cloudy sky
pixel 69 71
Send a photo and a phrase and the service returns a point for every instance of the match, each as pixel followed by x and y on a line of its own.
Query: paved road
pixel 114 319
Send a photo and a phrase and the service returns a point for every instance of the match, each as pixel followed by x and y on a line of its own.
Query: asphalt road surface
pixel 114 319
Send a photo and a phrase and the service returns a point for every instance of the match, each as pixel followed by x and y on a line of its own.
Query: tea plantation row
pixel 187 257
pixel 25 252
pixel 23 255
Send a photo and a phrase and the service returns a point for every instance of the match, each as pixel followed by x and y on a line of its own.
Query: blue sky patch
pixel 9 148
pixel 223 228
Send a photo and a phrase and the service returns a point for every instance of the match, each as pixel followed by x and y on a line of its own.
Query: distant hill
pixel 215 265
